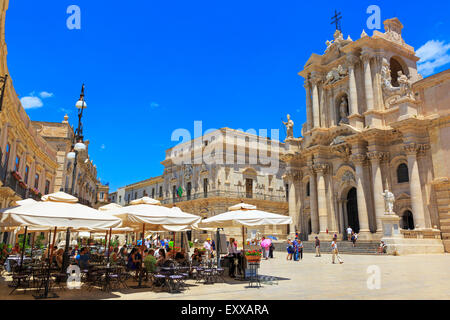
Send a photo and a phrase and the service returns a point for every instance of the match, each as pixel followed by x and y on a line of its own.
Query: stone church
pixel 373 124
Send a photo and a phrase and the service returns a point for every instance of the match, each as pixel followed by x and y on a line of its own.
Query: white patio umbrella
pixel 56 210
pixel 153 216
pixel 110 206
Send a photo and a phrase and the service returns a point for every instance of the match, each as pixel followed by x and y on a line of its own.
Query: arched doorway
pixel 352 210
pixel 407 221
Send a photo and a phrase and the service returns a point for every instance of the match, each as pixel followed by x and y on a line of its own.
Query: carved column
pixel 352 60
pixel 366 57
pixel 332 113
pixel 341 216
pixel 411 150
pixel 309 113
pixel 323 108
pixel 359 160
pixel 375 159
pixel 315 99
pixel 313 200
pixel 293 210
pixel 321 169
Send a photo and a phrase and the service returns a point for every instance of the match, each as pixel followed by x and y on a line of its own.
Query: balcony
pixel 225 194
pixel 19 188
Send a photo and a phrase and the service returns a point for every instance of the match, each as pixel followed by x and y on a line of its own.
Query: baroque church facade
pixel 373 124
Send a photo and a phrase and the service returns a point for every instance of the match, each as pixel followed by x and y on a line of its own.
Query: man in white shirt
pixel 349 233
pixel 335 252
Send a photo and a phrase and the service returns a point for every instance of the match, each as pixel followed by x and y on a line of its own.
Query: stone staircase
pixel 442 190
pixel 345 247
pixel 445 229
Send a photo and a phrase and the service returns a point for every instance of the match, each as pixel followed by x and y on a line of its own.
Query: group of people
pixel 295 249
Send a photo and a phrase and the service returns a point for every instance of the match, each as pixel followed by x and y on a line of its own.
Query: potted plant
pixel 253 256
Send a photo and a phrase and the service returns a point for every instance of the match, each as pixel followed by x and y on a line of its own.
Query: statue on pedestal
pixel 389 200
pixel 289 127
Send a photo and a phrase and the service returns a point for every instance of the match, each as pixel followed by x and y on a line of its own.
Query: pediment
pixel 403 196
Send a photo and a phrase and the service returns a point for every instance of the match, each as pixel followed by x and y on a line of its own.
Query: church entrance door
pixel 352 211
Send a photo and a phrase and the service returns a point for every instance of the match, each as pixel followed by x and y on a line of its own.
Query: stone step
pixel 446 245
pixel 362 247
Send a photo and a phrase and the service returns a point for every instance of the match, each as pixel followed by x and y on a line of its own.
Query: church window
pixel 402 173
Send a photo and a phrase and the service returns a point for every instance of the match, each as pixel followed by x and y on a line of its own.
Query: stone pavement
pixel 402 277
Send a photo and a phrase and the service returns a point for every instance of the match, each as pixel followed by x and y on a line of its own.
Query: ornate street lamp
pixel 77 147
pixel 3 80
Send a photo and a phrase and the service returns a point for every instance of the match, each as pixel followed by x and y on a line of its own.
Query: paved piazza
pixel 403 277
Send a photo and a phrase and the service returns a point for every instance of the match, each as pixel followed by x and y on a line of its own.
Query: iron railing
pixel 225 194
pixel 16 186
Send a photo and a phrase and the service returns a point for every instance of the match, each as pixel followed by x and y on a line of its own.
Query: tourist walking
pixel 300 249
pixel 354 238
pixel 290 249
pixel 349 233
pixel 317 245
pixel 335 252
pixel 271 248
pixel 295 245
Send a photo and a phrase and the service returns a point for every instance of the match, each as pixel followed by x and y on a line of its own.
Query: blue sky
pixel 151 67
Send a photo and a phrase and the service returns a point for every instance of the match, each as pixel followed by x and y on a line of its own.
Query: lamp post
pixel 3 79
pixel 77 147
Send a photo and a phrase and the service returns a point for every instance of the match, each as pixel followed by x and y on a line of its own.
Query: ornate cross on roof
pixel 337 20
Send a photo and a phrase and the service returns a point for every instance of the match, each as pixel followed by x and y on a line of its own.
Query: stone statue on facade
pixel 343 111
pixel 338 41
pixel 389 200
pixel 392 93
pixel 336 74
pixel 405 85
pixel 289 127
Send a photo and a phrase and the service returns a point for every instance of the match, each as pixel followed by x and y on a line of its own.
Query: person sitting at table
pixel 114 257
pixel 162 258
pixel 83 259
pixel 3 253
pixel 134 260
pixel 16 249
pixel 150 262
pixel 181 260
pixel 196 257
pixel 59 257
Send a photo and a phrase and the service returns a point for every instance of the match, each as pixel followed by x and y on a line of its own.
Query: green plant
pixel 191 244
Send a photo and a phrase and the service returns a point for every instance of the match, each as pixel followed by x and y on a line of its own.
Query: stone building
pixel 152 188
pixel 28 163
pixel 60 136
pixel 373 124
pixel 208 174
pixel 102 195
